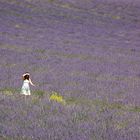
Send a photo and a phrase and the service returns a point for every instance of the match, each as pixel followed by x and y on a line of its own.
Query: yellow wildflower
pixel 57 98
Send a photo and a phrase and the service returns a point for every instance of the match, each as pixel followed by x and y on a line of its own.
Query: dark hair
pixel 26 77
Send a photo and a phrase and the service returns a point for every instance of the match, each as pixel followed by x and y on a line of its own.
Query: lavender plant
pixel 88 52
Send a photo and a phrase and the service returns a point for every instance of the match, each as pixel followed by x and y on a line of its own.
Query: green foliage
pixel 134 109
pixel 79 116
pixel 35 100
pixel 39 93
pixel 40 51
pixel 51 0
pixel 121 125
pixel 14 138
pixel 71 100
pixel 103 104
pixel 9 91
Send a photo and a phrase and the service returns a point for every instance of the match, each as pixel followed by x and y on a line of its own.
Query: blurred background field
pixel 87 52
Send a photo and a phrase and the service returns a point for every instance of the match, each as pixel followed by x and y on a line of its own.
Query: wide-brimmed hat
pixel 27 73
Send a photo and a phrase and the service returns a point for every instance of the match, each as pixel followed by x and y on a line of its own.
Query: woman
pixel 26 81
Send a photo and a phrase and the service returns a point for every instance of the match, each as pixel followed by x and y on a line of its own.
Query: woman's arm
pixel 31 82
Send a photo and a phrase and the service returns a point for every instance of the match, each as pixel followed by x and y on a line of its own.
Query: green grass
pixel 36 94
pixel 135 109
pixel 42 51
pixel 35 100
pixel 9 91
pixel 80 117
pixel 39 93
pixel 14 138
pixel 82 57
pixel 121 125
pixel 51 1
pixel 103 104
pixel 15 48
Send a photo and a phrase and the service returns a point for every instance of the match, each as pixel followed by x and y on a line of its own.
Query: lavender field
pixel 87 51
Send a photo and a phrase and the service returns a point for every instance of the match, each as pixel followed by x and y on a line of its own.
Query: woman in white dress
pixel 26 81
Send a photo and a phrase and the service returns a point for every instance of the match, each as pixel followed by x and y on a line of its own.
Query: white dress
pixel 25 88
